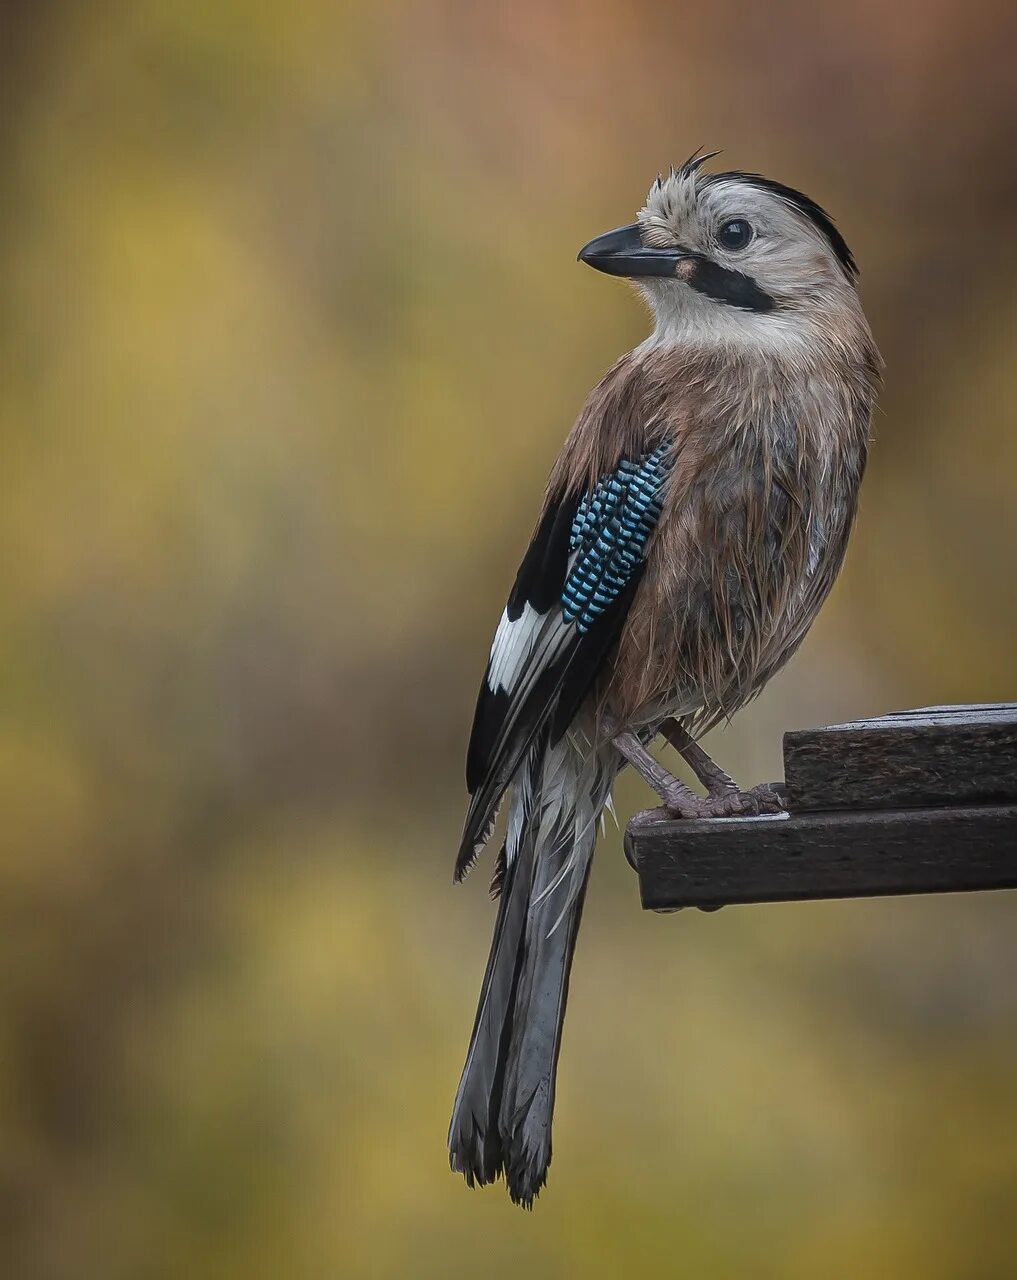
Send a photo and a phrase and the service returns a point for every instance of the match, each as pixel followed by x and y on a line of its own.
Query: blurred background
pixel 291 329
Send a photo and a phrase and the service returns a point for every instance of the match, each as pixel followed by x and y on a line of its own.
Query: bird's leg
pixel 716 781
pixel 726 799
pixel 677 797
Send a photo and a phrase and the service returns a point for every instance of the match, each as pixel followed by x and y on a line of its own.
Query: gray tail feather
pixel 527 1101
pixel 475 1146
pixel 501 1122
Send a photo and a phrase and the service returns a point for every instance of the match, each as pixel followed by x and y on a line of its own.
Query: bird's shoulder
pixel 649 395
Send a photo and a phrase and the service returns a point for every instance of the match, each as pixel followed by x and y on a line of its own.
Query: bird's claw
pixel 728 803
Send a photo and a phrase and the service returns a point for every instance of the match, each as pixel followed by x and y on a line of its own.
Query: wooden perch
pixel 917 802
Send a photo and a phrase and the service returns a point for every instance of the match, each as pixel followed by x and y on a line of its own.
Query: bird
pixel 691 528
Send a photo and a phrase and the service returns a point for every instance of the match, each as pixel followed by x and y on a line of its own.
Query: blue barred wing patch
pixel 609 535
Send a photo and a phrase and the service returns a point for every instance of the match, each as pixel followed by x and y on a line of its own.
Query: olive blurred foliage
pixel 290 331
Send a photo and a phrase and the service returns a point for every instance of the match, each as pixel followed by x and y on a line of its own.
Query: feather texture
pixel 501 1120
pixel 563 617
pixel 694 523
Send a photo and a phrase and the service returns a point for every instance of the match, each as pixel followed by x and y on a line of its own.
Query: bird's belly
pixel 699 649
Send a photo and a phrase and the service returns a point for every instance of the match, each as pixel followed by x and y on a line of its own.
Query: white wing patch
pixel 513 644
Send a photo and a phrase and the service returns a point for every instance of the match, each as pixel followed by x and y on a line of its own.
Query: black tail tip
pixel 476 1156
pixel 523 1191
pixel 481 1164
pixel 525 1177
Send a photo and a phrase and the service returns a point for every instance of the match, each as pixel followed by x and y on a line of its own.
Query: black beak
pixel 622 253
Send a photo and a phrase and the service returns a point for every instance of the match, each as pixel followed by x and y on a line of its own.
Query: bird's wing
pixel 565 612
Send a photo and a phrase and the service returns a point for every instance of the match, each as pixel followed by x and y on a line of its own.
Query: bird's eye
pixel 735 234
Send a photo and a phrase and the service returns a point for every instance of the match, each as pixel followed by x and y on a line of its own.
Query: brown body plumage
pixel 768 454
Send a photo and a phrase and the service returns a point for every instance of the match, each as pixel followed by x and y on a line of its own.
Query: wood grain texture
pixel 962 755
pixel 823 855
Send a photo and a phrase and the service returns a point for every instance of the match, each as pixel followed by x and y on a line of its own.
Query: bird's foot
pixel 722 802
pixel 681 802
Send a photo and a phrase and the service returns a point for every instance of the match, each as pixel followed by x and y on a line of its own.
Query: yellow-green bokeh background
pixel 290 330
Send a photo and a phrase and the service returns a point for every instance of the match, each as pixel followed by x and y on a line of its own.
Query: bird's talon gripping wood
pixel 767 799
pixel 647 817
pixel 692 527
pixel 723 804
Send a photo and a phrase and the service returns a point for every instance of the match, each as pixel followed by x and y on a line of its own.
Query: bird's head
pixel 731 254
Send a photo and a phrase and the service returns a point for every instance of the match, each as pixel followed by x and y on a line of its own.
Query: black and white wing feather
pixel 563 616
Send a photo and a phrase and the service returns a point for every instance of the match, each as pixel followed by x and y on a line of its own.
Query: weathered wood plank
pixel 823 855
pixel 964 755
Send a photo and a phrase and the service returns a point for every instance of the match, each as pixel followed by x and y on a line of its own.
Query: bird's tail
pixel 501 1122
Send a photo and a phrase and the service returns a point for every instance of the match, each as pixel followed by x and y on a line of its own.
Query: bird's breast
pixel 752 534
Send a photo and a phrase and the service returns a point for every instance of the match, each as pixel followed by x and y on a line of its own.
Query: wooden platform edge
pixel 815 856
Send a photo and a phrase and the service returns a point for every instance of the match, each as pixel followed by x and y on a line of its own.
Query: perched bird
pixel 692 527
